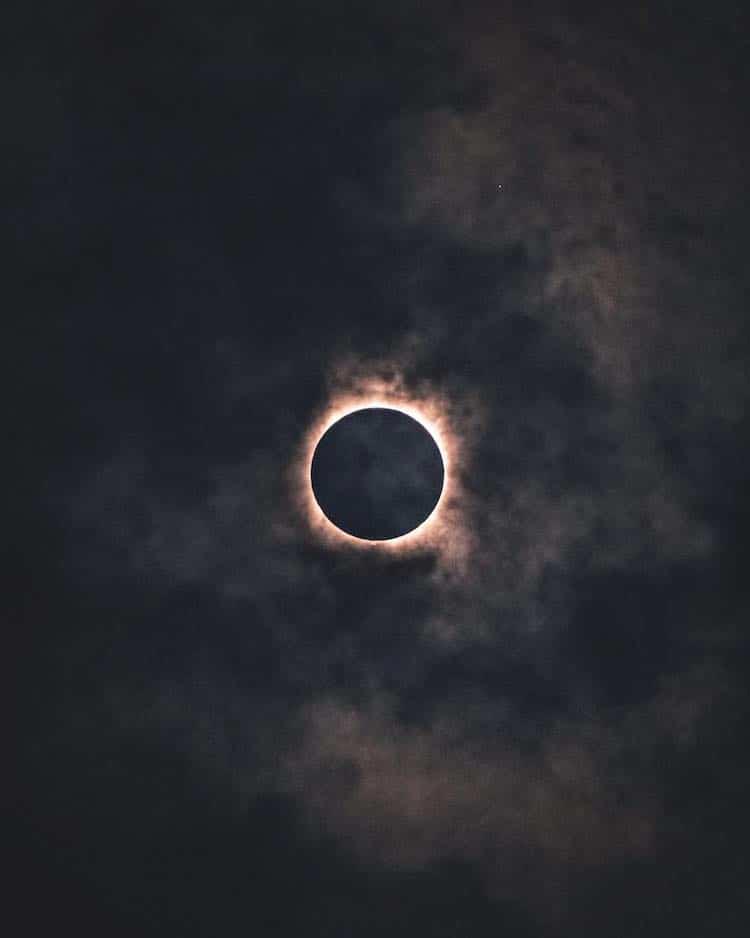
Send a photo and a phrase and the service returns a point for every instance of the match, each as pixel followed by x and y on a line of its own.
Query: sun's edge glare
pixel 319 521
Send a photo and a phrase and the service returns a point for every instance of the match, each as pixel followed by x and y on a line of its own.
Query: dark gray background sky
pixel 223 218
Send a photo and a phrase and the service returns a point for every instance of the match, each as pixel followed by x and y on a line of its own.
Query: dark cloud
pixel 529 226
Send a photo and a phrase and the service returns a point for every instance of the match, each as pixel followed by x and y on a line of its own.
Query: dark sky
pixel 224 221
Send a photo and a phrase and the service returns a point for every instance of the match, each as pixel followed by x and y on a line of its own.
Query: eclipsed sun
pixel 377 471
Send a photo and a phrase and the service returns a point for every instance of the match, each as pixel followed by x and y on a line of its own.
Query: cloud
pixel 620 199
pixel 537 808
pixel 571 338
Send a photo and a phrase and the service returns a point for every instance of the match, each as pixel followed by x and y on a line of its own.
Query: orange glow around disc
pixel 430 410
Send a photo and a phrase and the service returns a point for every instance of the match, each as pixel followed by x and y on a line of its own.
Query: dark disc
pixel 377 473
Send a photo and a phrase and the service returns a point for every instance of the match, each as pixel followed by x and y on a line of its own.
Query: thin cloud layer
pixel 521 687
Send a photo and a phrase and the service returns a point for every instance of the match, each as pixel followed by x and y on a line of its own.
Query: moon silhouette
pixel 377 473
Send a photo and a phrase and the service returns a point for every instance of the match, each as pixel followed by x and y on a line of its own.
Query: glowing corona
pixel 424 412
